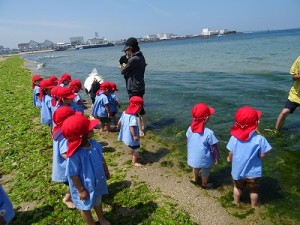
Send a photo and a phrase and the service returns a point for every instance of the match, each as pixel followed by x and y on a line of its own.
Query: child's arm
pixel 119 124
pixel 107 173
pixel 135 137
pixel 117 104
pixel 83 195
pixel 262 156
pixel 215 153
pixel 229 157
pixel 107 110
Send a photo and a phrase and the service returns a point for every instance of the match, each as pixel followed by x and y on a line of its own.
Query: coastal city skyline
pixel 115 20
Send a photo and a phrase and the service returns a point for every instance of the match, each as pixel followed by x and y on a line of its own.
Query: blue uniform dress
pixel 246 162
pixel 87 163
pixel 46 110
pixel 198 148
pixel 60 146
pixel 35 99
pixel 79 108
pixel 112 98
pixel 127 121
pixel 99 106
pixel 6 207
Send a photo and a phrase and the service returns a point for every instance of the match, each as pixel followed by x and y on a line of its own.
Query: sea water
pixel 225 72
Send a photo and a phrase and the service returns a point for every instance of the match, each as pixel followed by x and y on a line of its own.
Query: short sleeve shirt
pixel 246 161
pixel 127 121
pixel 198 148
pixel 99 106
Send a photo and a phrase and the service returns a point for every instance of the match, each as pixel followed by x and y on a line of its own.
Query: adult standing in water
pixel 134 75
pixel 293 101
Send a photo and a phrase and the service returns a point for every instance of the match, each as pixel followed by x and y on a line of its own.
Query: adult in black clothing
pixel 134 75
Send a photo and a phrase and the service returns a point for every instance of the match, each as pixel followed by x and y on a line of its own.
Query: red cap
pixel 65 92
pixel 135 104
pixel 45 84
pixel 73 128
pixel 65 77
pixel 53 79
pixel 35 78
pixel 105 86
pixel 246 121
pixel 200 112
pixel 60 114
pixel 75 83
pixel 113 86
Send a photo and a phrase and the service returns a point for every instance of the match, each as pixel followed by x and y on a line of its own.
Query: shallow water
pixel 225 72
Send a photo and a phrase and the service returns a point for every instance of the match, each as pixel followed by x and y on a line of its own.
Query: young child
pixel 113 102
pixel 246 150
pixel 86 167
pixel 36 79
pixel 101 108
pixel 65 80
pixel 63 96
pixel 76 86
pixel 202 148
pixel 45 98
pixel 60 148
pixel 7 212
pixel 129 130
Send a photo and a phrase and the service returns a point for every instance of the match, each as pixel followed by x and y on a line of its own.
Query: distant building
pixel 76 41
pixel 33 45
pixel 207 32
pixel 47 45
pixel 23 46
pixel 96 41
pixel 164 36
pixel 151 37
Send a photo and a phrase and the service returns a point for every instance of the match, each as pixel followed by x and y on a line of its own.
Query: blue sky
pixel 57 20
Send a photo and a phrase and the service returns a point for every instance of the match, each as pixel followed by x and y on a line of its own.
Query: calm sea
pixel 225 72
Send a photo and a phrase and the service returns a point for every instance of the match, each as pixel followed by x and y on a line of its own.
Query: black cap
pixel 131 42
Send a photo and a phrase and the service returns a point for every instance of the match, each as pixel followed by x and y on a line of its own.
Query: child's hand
pixel 228 159
pixel 136 138
pixel 217 161
pixel 83 195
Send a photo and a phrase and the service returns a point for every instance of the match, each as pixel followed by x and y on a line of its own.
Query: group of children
pixel 246 148
pixel 78 161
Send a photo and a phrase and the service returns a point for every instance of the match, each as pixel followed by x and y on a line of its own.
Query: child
pixel 202 148
pixel 86 167
pixel 246 150
pixel 36 79
pixel 113 102
pixel 129 130
pixel 101 108
pixel 63 96
pixel 65 80
pixel 76 86
pixel 45 98
pixel 7 212
pixel 60 151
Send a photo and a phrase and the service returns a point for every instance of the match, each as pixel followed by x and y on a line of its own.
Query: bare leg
pixel 254 200
pixel 140 126
pixel 87 216
pixel 204 181
pixel 68 201
pixel 144 123
pixel 196 174
pixel 107 127
pixel 281 118
pixel 99 212
pixel 236 195
pixel 135 157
